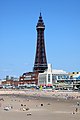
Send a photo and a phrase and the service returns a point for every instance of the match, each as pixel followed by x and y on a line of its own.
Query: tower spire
pixel 40 64
pixel 40 14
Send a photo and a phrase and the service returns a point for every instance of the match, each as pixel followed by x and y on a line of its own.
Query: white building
pixel 50 77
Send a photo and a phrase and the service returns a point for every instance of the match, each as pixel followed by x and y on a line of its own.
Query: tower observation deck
pixel 40 64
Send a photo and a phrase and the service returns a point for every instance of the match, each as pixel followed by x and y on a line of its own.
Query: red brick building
pixel 29 78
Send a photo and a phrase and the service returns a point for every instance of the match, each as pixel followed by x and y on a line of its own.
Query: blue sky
pixel 18 35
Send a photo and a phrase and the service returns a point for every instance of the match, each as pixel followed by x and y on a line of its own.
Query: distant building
pixel 75 75
pixel 52 76
pixel 10 81
pixel 29 78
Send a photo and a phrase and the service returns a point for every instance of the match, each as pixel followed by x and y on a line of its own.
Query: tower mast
pixel 40 63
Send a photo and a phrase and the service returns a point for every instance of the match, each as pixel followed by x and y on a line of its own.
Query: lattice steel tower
pixel 40 64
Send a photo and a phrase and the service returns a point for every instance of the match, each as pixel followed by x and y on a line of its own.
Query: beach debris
pixel 76 109
pixel 27 108
pixel 77 103
pixel 29 114
pixel 23 109
pixel 48 104
pixel 1 99
pixel 73 112
pixel 24 105
pixel 11 107
pixel 21 104
pixel 6 108
pixel 41 104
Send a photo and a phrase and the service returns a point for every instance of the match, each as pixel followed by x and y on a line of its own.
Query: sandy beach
pixel 37 105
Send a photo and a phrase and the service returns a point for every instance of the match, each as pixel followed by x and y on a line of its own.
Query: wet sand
pixel 36 107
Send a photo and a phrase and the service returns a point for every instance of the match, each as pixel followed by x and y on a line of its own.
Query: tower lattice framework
pixel 40 63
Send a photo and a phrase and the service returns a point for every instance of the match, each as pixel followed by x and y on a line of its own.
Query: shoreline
pixel 41 93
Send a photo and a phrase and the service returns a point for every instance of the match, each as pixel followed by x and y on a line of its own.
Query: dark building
pixel 40 64
pixel 29 78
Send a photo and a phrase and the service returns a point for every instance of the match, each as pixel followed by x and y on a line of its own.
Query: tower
pixel 40 63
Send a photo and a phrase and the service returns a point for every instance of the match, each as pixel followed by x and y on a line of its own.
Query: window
pixel 48 77
pixel 59 77
pixel 53 77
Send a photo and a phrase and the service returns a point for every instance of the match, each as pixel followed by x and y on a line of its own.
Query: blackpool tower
pixel 40 64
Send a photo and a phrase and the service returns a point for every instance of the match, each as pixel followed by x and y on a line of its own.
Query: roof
pixel 54 71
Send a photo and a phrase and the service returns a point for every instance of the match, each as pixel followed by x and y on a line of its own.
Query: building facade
pixel 51 77
pixel 10 82
pixel 29 78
